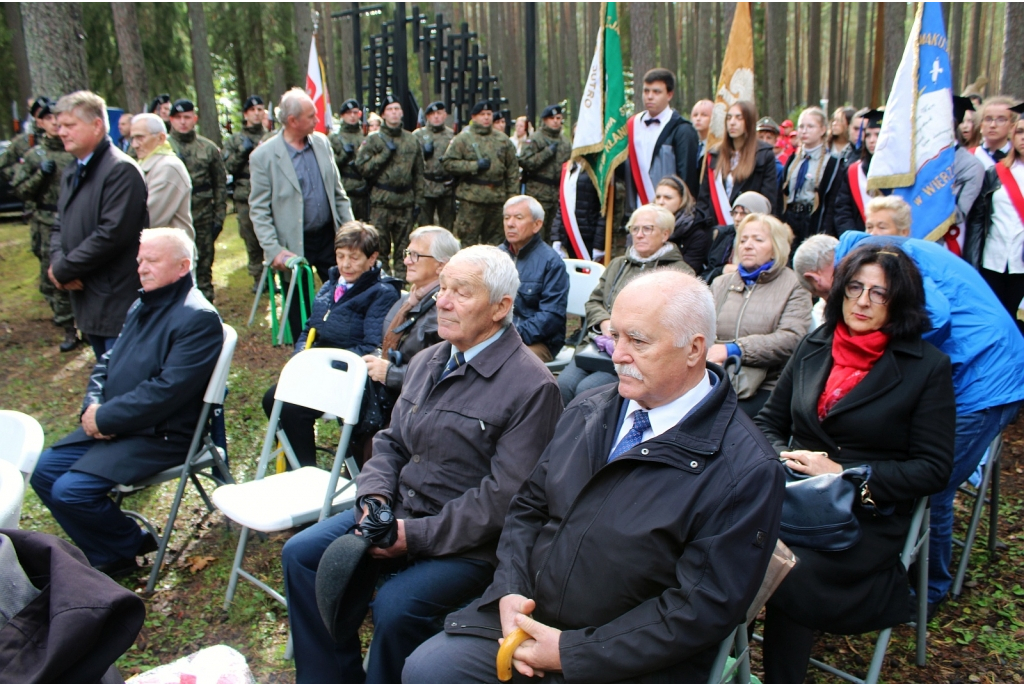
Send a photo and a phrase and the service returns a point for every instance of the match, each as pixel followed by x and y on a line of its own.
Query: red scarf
pixel 852 359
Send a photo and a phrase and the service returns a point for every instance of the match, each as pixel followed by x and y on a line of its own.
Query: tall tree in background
pixel 133 64
pixel 833 55
pixel 955 36
pixel 12 13
pixel 775 59
pixel 55 45
pixel 1011 80
pixel 704 49
pixel 813 54
pixel 973 67
pixel 860 65
pixel 202 71
pixel 642 45
pixel 895 42
pixel 303 36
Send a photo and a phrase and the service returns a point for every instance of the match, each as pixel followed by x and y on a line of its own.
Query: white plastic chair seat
pixel 12 494
pixel 21 440
pixel 283 500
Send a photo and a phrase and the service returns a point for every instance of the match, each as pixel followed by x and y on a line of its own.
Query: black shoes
pixel 147 545
pixel 71 339
pixel 124 567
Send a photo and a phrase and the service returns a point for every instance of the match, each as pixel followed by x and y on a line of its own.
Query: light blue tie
pixel 635 435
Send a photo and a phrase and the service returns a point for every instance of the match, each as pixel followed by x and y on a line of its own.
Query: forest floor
pixel 977 638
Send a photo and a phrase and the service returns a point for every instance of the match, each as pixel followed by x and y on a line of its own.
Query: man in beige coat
pixel 167 180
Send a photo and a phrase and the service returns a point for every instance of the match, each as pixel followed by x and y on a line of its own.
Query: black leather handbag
pixel 818 511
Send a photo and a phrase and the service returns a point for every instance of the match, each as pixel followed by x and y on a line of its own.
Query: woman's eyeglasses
pixel 876 295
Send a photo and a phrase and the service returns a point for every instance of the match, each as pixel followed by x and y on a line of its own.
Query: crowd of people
pixel 623 514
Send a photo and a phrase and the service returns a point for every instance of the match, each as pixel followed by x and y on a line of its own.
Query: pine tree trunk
pixel 259 83
pixel 303 37
pixel 797 77
pixel 895 41
pixel 12 13
pixel 572 54
pixel 642 44
pixel 729 13
pixel 860 68
pixel 202 72
pixel 814 54
pixel 55 47
pixel 775 59
pixel 329 56
pixel 129 45
pixel 704 48
pixel 974 46
pixel 833 54
pixel 956 40
pixel 238 53
pixel 990 68
pixel 673 53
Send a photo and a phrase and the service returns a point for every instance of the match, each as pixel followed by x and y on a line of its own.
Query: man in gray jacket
pixel 474 415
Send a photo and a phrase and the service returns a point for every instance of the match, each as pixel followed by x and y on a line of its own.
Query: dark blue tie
pixel 455 362
pixel 801 174
pixel 635 435
pixel 78 175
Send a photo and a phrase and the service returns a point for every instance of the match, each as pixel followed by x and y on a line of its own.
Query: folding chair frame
pixel 264 278
pixel 989 483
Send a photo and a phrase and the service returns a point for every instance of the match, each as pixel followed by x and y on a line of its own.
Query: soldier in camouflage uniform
pixel 392 161
pixel 209 187
pixel 484 164
pixel 37 181
pixel 542 158
pixel 438 186
pixel 345 144
pixel 236 161
pixel 161 106
pixel 21 143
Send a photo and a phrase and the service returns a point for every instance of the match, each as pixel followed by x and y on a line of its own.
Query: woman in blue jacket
pixel 348 313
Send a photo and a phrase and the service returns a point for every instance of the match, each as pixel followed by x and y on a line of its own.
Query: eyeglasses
pixel 1002 121
pixel 738 213
pixel 414 256
pixel 642 230
pixel 876 295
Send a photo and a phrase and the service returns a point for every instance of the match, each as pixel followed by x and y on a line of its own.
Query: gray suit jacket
pixel 275 198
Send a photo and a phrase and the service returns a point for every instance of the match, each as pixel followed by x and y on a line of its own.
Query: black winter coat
pixel 908 398
pixel 764 180
pixel 979 223
pixel 418 331
pixel 539 311
pixel 822 219
pixel 846 215
pixel 645 563
pixel 692 239
pixel 356 321
pixel 674 153
pixel 588 217
pixel 150 385
pixel 720 253
pixel 77 627
pixel 96 238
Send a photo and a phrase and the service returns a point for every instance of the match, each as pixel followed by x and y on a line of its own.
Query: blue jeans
pixel 573 381
pixel 974 432
pixel 101 345
pixel 82 506
pixel 407 610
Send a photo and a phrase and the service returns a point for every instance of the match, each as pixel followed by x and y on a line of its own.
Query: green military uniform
pixel 209 198
pixel 438 186
pixel 481 191
pixel 541 158
pixel 236 160
pixel 345 144
pixel 37 180
pixel 396 173
pixel 15 152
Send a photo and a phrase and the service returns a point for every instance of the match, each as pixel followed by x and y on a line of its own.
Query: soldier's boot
pixel 71 339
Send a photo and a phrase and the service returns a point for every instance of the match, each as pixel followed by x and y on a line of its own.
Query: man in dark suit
pixel 100 214
pixel 141 406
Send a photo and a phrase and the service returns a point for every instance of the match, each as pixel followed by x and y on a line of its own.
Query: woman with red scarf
pixel 863 389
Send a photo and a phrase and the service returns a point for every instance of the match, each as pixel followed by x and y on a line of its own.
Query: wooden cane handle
pixel 508 646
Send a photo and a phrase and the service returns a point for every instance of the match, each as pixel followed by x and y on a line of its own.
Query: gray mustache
pixel 629 371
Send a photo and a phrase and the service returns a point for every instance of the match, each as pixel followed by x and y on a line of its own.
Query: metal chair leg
pixel 259 294
pixel 239 555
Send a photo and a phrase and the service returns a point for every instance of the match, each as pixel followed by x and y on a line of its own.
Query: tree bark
pixel 775 59
pixel 12 13
pixel 860 69
pixel 642 46
pixel 956 40
pixel 202 72
pixel 55 47
pixel 814 54
pixel 895 41
pixel 729 13
pixel 129 45
pixel 303 37
pixel 833 54
pixel 329 56
pixel 259 81
pixel 572 54
pixel 238 52
pixel 704 49
pixel 877 48
pixel 973 46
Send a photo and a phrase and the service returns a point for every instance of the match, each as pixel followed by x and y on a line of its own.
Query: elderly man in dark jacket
pixel 141 406
pixel 539 311
pixel 645 531
pixel 101 211
pixel 474 416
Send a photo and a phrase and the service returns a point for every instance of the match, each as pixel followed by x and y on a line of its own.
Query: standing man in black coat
pixel 141 406
pixel 644 532
pixel 100 214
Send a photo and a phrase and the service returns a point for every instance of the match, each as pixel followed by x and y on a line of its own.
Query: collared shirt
pixel 664 417
pixel 316 210
pixel 645 137
pixel 479 347
pixel 83 162
pixel 806 192
pixel 1005 242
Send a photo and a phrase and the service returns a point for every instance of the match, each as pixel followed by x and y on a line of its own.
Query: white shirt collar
pixel 668 415
pixel 662 116
pixel 813 152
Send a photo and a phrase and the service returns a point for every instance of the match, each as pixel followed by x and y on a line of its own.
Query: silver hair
pixel 536 211
pixel 291 104
pixel 154 124
pixel 663 219
pixel 182 244
pixel 85 105
pixel 497 270
pixel 443 245
pixel 689 308
pixel 814 254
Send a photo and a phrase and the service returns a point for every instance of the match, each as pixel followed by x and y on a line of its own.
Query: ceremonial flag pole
pixel 315 83
pixel 915 153
pixel 600 142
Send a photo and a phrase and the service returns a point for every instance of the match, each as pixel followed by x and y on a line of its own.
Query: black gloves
pixel 247 144
pixel 348 149
pixel 483 164
pixel 218 226
pixel 389 143
pixel 380 527
pixel 428 149
pixel 48 167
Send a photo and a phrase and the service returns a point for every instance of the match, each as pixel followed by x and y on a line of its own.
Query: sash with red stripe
pixel 634 163
pixel 567 200
pixel 1012 189
pixel 719 198
pixel 858 187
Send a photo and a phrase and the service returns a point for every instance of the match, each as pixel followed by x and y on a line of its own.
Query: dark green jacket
pixel 496 184
pixel 236 158
pixel 437 182
pixel 397 176
pixel 345 144
pixel 32 185
pixel 542 166
pixel 209 179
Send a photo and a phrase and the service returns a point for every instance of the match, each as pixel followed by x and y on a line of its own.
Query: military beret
pixel 181 106
pixel 480 107
pixel 349 105
pixel 251 102
pixel 161 99
pixel 552 110
pixel 436 106
pixel 41 106
pixel 389 99
pixel 498 116
pixel 768 124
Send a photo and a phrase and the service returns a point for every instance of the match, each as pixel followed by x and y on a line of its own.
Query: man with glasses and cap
pixel 345 142
pixel 205 165
pixel 484 163
pixel 438 186
pixel 236 160
pixel 542 158
pixel 393 162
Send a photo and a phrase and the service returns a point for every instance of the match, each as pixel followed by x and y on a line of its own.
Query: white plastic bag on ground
pixel 219 664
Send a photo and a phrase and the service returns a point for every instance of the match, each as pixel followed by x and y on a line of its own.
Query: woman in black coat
pixel 348 313
pixel 742 162
pixel 692 238
pixel 863 389
pixel 808 198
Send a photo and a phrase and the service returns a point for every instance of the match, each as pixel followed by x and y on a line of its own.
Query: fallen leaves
pixel 197 564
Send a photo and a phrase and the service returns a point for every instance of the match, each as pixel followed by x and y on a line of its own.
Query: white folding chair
pixel 12 494
pixel 202 454
pixel 324 379
pixel 22 440
pixel 989 483
pixel 583 278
